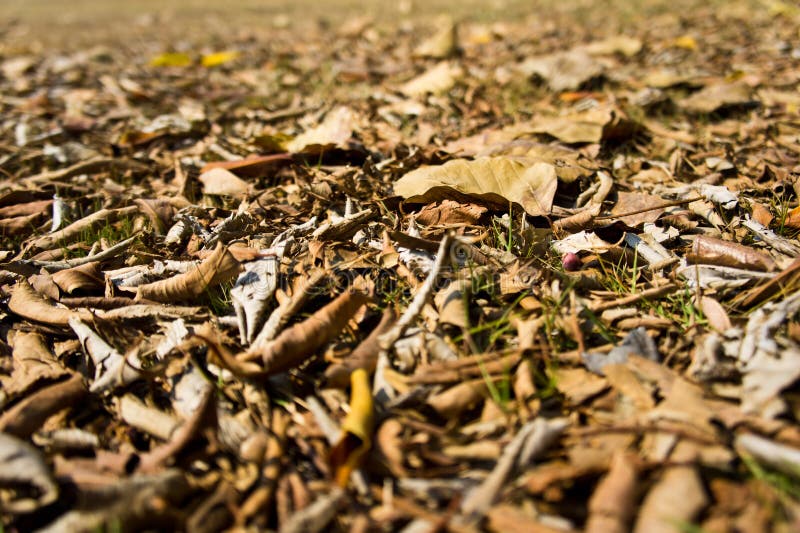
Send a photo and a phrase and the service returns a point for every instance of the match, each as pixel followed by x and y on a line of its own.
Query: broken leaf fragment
pixel 171 59
pixel 347 454
pixel 496 181
pixel 219 58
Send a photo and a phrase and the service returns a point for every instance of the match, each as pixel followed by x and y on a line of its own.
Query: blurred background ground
pixel 28 25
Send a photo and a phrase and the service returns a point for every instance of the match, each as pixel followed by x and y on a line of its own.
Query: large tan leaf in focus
pixel 332 133
pixel 495 181
pixel 217 268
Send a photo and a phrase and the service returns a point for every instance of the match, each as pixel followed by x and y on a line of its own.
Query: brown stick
pixel 633 298
pixel 646 209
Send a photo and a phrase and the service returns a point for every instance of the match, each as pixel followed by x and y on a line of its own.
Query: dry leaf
pixel 22 466
pixel 495 181
pixel 449 213
pixel 219 267
pixel 86 278
pixel 29 304
pixel 630 202
pixel 622 44
pixel 221 182
pixel 714 97
pixel 677 498
pixel 709 250
pixel 356 439
pixel 33 364
pixel 593 126
pixel 613 503
pixel 250 167
pixel 436 80
pixel 563 70
pixel 334 132
pixel 443 43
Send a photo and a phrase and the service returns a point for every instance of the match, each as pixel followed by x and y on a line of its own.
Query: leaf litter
pixel 403 272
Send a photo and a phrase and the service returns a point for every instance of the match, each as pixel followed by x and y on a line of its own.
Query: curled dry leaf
pixel 22 465
pixel 250 167
pixel 219 267
pixel 33 364
pixel 709 250
pixel 716 96
pixel 29 304
pixel 293 346
pixel 300 341
pixel 495 181
pixel 441 44
pixel 87 277
pixel 593 126
pixel 356 438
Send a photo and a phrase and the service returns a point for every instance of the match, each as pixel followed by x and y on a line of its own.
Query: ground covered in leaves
pixel 500 270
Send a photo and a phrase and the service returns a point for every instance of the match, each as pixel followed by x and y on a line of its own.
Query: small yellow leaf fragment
pixel 687 42
pixel 357 429
pixel 171 59
pixel 219 58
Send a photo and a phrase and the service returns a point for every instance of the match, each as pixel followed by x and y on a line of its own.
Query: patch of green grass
pixel 779 204
pixel 618 277
pixel 503 235
pixel 687 527
pixel 784 485
pixel 219 298
pixel 499 389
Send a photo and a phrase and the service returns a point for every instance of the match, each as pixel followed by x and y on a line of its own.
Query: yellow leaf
pixel 687 42
pixel 219 58
pixel 171 59
pixel 357 429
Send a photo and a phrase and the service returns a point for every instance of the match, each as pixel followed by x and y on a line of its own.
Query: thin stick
pixel 388 339
pixel 633 298
pixel 646 209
